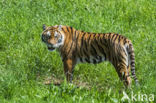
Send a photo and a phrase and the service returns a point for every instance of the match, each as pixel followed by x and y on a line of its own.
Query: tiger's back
pixel 94 48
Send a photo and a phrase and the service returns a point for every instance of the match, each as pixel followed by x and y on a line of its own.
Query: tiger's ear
pixel 44 27
pixel 60 27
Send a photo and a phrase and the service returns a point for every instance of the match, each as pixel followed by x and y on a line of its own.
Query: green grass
pixel 25 62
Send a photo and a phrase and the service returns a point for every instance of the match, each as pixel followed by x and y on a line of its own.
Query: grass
pixel 25 62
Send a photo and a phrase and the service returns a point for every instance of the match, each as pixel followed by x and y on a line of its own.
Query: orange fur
pixel 92 48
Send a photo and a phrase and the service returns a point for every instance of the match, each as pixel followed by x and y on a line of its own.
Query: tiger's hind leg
pixel 124 74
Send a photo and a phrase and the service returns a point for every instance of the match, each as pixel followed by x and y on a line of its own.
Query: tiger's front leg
pixel 69 65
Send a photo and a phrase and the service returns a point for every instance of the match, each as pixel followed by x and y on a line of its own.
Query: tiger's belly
pixel 91 59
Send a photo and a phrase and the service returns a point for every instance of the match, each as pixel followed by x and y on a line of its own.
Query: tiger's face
pixel 53 37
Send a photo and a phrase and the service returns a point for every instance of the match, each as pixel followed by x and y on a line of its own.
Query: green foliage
pixel 25 61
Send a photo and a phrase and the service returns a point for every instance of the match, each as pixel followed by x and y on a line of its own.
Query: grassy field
pixel 26 64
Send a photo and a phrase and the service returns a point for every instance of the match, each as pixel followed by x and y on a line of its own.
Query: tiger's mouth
pixel 50 47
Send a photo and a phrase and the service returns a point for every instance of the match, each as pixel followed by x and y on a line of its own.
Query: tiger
pixel 76 46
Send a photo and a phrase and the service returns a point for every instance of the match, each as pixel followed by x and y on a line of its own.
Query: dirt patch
pixel 55 81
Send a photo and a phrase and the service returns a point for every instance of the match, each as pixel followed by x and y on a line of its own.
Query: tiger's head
pixel 53 37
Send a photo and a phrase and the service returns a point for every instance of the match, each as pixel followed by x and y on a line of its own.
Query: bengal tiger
pixel 77 46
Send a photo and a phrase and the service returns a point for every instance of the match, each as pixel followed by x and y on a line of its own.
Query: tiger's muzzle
pixel 45 40
pixel 50 47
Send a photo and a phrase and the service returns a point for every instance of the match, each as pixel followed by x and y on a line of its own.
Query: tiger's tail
pixel 132 62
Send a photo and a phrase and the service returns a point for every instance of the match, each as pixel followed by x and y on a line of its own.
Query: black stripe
pixel 133 73
pixel 94 50
pixel 86 53
pixel 101 49
pixel 63 30
pixel 69 51
pixel 98 36
pixel 101 40
pixel 94 61
pixel 105 44
pixel 81 47
pixel 67 29
pixel 132 57
pixel 132 62
pixel 74 35
pixel 122 49
pixel 89 38
pixel 130 52
pixel 100 59
pixel 123 57
pixel 77 37
pixel 82 39
pixel 125 52
pixel 103 52
pixel 109 36
pixel 104 39
pixel 78 55
pixel 70 46
pixel 76 41
pixel 86 45
pixel 113 36
pixel 113 60
pixel 81 60
pixel 71 29
pixel 119 38
pixel 87 60
pixel 122 37
pixel 124 41
pixel 123 63
pixel 104 35
pixel 116 37
pixel 94 35
pixel 130 45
